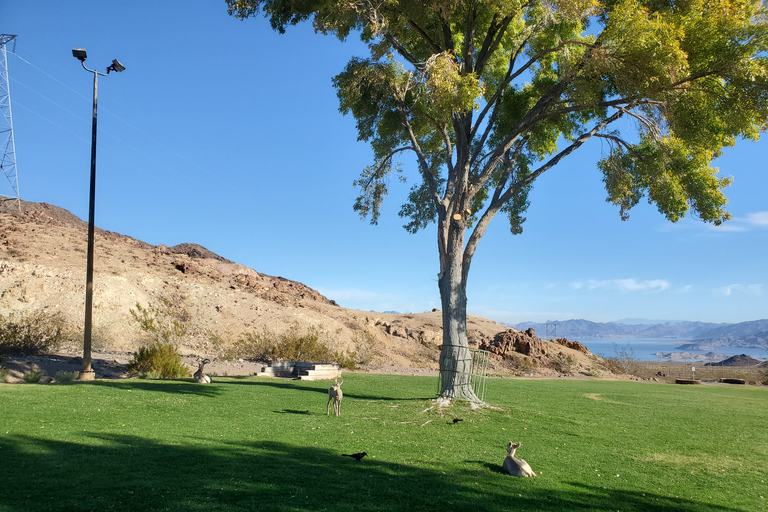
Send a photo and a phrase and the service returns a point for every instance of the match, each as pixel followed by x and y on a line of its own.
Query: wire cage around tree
pixel 477 375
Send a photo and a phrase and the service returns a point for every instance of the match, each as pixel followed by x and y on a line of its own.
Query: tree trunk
pixel 455 357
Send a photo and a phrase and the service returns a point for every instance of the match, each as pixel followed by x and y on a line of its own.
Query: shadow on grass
pixel 180 387
pixel 296 384
pixel 112 471
pixel 496 468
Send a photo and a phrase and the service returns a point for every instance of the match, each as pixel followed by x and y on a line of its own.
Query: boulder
pixel 574 345
pixel 523 342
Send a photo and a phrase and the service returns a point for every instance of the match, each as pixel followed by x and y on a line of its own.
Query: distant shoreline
pixel 664 350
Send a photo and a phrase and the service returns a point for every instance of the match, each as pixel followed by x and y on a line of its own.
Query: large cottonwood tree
pixel 487 95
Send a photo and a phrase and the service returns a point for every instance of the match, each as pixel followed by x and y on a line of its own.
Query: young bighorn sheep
pixel 515 466
pixel 200 376
pixel 335 395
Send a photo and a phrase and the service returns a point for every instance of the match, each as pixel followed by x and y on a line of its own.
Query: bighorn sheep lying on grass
pixel 335 395
pixel 515 466
pixel 200 376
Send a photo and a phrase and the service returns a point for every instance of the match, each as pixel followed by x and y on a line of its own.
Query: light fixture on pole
pixel 87 371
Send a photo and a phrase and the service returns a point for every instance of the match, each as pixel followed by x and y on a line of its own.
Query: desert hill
pixel 42 267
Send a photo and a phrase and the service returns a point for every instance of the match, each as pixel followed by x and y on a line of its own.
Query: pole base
pixel 89 375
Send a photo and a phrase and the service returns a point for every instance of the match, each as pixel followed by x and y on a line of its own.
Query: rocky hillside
pixel 42 267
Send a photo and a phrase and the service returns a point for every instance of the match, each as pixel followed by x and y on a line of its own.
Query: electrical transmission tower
pixel 7 147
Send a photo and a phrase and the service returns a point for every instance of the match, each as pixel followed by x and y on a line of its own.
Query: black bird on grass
pixel 456 420
pixel 356 456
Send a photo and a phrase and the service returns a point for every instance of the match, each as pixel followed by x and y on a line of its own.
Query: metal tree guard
pixel 478 362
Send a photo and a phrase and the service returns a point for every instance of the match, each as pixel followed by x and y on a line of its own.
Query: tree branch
pixel 375 174
pixel 501 200
pixel 429 179
pixel 584 137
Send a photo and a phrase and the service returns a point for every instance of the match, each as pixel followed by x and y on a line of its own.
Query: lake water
pixel 644 349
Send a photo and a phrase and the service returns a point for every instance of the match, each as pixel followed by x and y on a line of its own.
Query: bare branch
pixel 403 51
pixel 383 163
pixel 617 140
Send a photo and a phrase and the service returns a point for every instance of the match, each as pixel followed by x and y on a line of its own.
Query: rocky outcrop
pixel 523 342
pixel 573 345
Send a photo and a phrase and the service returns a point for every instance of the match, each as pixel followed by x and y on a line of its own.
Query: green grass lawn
pixel 267 444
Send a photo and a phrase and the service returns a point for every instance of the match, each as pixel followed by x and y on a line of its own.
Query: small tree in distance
pixel 487 95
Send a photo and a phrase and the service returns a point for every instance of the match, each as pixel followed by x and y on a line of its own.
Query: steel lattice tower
pixel 7 146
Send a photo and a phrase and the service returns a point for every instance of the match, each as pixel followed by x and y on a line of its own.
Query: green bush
pixel 159 360
pixel 33 377
pixel 32 333
pixel 4 372
pixel 64 377
pixel 293 345
pixel 165 327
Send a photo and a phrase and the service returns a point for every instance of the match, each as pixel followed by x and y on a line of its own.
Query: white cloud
pixel 735 225
pixel 746 289
pixel 684 289
pixel 758 219
pixel 624 285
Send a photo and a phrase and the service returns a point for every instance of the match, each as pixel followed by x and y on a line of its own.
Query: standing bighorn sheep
pixel 515 466
pixel 200 376
pixel 335 395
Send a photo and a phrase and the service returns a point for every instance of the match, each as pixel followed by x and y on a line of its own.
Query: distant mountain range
pixel 703 335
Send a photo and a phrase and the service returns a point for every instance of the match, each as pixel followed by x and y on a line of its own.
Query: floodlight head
pixel 116 66
pixel 80 54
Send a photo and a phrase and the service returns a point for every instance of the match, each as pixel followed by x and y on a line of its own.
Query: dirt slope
pixel 42 266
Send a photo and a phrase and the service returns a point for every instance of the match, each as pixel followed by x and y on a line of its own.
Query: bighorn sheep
pixel 200 376
pixel 335 395
pixel 515 466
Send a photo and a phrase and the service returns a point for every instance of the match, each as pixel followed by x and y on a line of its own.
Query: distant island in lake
pixel 702 335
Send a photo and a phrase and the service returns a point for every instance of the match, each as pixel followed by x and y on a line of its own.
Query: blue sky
pixel 224 133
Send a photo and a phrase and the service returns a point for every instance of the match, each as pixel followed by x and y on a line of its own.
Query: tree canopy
pixel 489 94
pixel 493 93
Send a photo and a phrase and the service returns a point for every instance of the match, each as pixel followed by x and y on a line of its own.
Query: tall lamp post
pixel 87 372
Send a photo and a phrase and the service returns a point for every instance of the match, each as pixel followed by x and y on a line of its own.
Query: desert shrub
pixel 562 363
pixel 365 344
pixel 623 362
pixel 520 364
pixel 294 344
pixel 158 360
pixel 165 327
pixel 162 324
pixel 32 377
pixel 220 346
pixel 64 377
pixel 32 333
